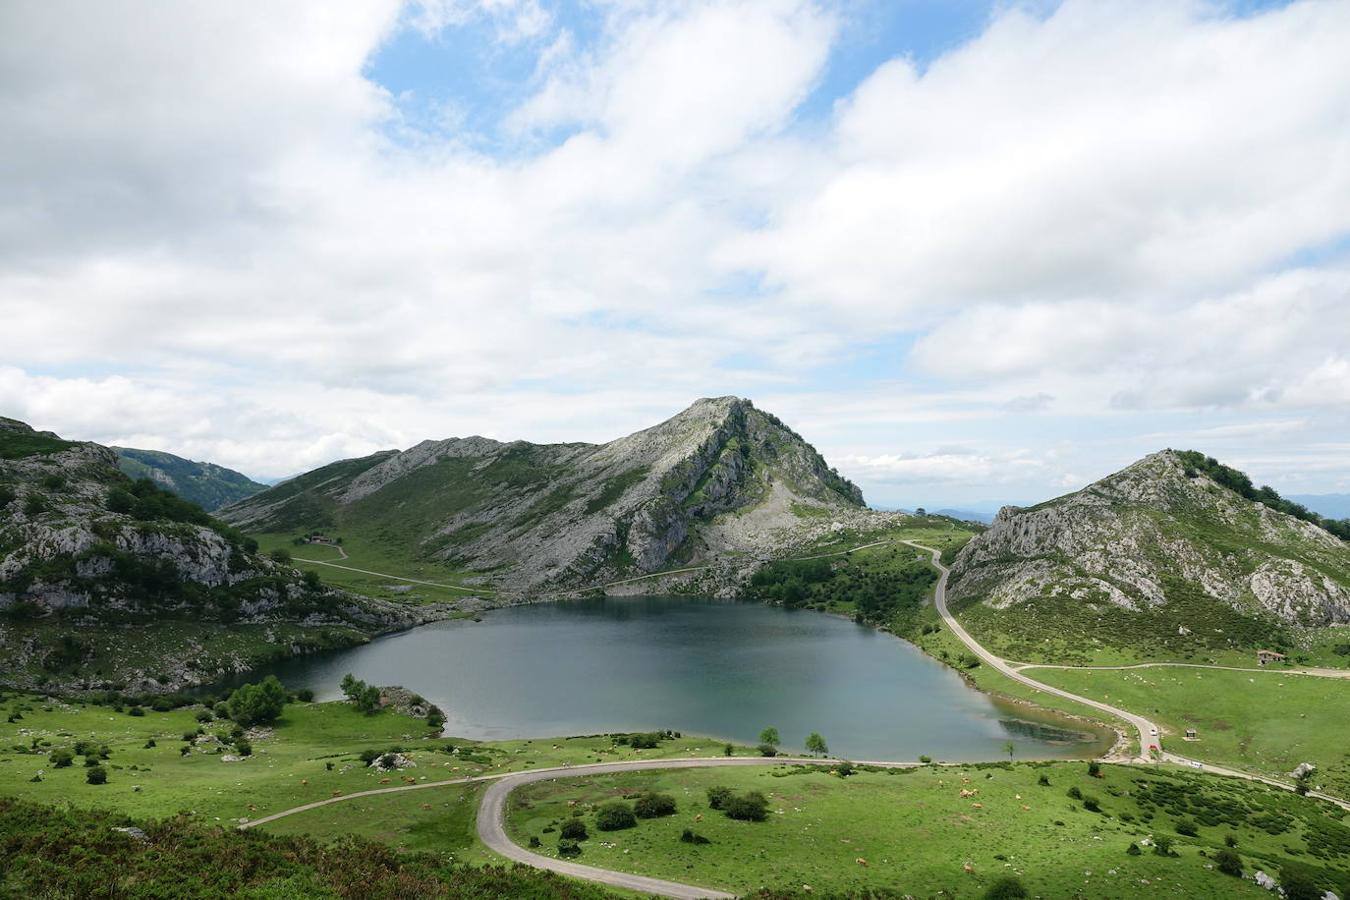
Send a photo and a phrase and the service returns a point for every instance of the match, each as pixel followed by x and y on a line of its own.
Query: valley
pixel 688 567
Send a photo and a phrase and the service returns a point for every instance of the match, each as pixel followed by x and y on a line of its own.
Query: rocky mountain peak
pixel 564 514
pixel 1172 527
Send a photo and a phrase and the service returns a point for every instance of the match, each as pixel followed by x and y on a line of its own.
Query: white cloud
pixel 209 242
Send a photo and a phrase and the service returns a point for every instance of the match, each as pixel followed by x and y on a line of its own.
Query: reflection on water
pixel 697 665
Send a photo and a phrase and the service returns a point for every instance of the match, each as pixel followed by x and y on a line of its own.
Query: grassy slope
pixel 209 486
pixel 374 557
pixel 916 832
pixel 1266 722
pixel 306 738
pixel 51 852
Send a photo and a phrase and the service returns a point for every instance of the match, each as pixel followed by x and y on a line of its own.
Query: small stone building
pixel 1266 657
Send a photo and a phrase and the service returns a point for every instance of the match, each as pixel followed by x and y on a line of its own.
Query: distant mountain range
pixel 208 485
pixel 722 479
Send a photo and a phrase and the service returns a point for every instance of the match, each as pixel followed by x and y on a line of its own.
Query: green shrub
pixel 615 816
pixel 688 836
pixel 253 704
pixel 1298 883
pixel 652 805
pixel 574 829
pixel 1006 888
pixel 1044 780
pixel 1163 847
pixel 136 711
pixel 1091 804
pixel 1228 862
pixel 718 796
pixel 767 750
pixel 644 741
pixel 61 759
pixel 1075 793
pixel 96 775
pixel 1187 827
pixel 1133 849
pixel 568 847
pixel 749 807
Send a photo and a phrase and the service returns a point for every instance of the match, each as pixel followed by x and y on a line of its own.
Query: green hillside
pixel 1175 557
pixel 205 484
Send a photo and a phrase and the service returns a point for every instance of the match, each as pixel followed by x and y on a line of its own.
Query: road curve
pixel 492 819
pixel 1148 731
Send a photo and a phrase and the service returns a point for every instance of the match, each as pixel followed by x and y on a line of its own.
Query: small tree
pixel 769 736
pixel 615 816
pixel 815 744
pixel 253 704
pixel 727 750
pixel 96 775
pixel 1009 748
pixel 1228 862
pixel 1298 883
pixel 365 697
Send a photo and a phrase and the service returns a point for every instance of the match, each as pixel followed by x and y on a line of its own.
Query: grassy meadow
pixel 289 766
pixel 374 556
pixel 1266 722
pixel 923 832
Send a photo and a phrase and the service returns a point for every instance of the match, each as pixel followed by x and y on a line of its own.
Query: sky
pixel 974 252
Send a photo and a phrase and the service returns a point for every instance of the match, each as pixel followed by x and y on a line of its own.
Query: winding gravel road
pixel 1149 735
pixel 492 820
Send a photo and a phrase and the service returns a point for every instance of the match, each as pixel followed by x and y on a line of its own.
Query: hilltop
pixel 86 551
pixel 206 484
pixel 720 479
pixel 1170 556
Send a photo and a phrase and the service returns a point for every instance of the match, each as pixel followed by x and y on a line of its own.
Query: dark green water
pixel 699 666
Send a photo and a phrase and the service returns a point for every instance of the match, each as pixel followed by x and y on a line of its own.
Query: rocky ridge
pixel 720 478
pixel 83 549
pixel 1131 539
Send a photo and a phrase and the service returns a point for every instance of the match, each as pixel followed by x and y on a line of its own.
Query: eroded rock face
pixel 1126 538
pixel 72 551
pixel 568 515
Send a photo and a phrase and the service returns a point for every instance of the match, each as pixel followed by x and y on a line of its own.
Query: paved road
pixel 1316 673
pixel 1146 728
pixel 492 817
pixel 1148 732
